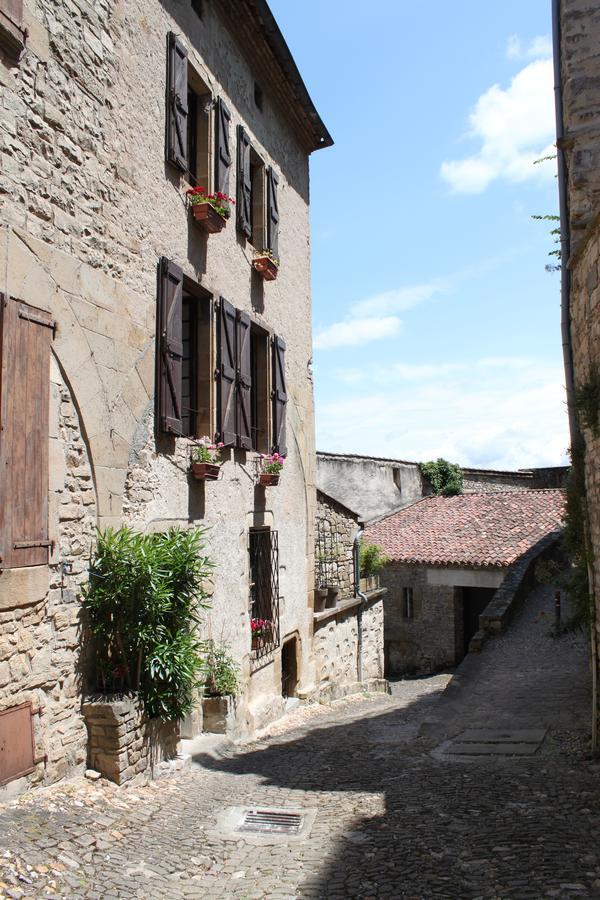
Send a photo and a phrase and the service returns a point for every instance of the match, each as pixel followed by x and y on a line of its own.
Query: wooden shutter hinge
pixel 30 545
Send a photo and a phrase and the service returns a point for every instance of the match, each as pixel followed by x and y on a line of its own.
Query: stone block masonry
pixel 123 744
pixel 40 626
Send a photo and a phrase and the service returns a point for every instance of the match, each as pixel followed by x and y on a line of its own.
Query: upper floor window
pixel 257 202
pixel 217 370
pixel 195 123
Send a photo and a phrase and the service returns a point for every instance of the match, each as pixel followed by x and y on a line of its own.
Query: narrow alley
pixel 391 811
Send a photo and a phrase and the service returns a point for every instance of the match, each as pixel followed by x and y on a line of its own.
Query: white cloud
pixel 539 48
pixel 506 417
pixel 389 302
pixel 355 331
pixel 515 126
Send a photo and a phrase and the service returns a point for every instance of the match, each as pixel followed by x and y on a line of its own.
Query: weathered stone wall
pixel 580 36
pixel 335 530
pixel 40 630
pixel 432 639
pixel 124 745
pixel 580 33
pixel 88 207
pixel 336 645
pixel 375 487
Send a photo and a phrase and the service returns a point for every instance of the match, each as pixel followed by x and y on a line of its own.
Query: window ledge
pixel 345 605
pixel 12 38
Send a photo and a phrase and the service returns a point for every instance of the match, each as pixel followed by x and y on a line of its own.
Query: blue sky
pixel 436 325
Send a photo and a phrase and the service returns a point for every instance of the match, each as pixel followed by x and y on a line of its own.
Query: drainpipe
pixel 363 602
pixel 565 235
pixel 577 440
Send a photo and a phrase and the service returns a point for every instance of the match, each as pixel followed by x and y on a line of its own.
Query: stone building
pixel 576 34
pixel 129 331
pixel 348 633
pixel 376 486
pixel 454 560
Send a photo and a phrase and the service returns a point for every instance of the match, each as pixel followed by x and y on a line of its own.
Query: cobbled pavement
pixel 396 818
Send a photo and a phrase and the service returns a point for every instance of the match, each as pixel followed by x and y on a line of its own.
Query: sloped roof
pixel 472 530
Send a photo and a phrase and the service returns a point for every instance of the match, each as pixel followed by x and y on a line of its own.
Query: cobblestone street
pixel 396 816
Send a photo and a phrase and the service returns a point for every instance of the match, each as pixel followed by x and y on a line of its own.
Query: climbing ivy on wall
pixel 587 401
pixel 444 477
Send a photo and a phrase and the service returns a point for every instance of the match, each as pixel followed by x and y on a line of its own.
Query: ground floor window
pixel 408 603
pixel 263 548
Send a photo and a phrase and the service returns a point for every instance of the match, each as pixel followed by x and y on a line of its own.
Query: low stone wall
pixel 509 597
pixel 123 745
pixel 336 642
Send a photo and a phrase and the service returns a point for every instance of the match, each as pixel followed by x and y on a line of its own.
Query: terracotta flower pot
pixel 268 480
pixel 265 267
pixel 205 471
pixel 320 599
pixel 332 595
pixel 209 219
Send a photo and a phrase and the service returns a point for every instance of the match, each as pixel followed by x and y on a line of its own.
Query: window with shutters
pixel 184 355
pixel 27 335
pixel 199 131
pixel 12 32
pixel 244 377
pixel 251 192
pixel 190 117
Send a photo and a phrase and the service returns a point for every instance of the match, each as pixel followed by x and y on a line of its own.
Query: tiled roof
pixel 474 530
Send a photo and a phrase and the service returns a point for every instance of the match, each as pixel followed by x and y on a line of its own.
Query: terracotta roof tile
pixel 476 530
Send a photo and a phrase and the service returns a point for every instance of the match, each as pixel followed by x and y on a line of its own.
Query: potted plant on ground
pixel 261 630
pixel 372 559
pixel 206 459
pixel 270 469
pixel 211 211
pixel 266 264
pixel 220 688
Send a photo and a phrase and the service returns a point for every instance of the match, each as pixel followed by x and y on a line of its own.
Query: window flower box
pixel 269 469
pixel 205 471
pixel 369 583
pixel 211 211
pixel 266 479
pixel 266 265
pixel 206 460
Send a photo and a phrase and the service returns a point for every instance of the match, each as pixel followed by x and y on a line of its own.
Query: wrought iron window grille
pixel 263 548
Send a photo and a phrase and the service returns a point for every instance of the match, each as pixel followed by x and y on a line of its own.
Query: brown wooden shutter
pixel 244 184
pixel 169 348
pixel 24 413
pixel 177 102
pixel 223 154
pixel 272 212
pixel 244 383
pixel 226 373
pixel 279 396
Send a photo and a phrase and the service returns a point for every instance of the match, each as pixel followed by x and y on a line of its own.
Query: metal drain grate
pixel 272 821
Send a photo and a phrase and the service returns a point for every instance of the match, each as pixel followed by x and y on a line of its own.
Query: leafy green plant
pixel 143 601
pixel 444 477
pixel 587 400
pixel 222 672
pixel 573 580
pixel 371 559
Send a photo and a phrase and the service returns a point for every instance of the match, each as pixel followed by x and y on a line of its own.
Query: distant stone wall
pixel 335 530
pixel 40 626
pixel 433 638
pixel 375 487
